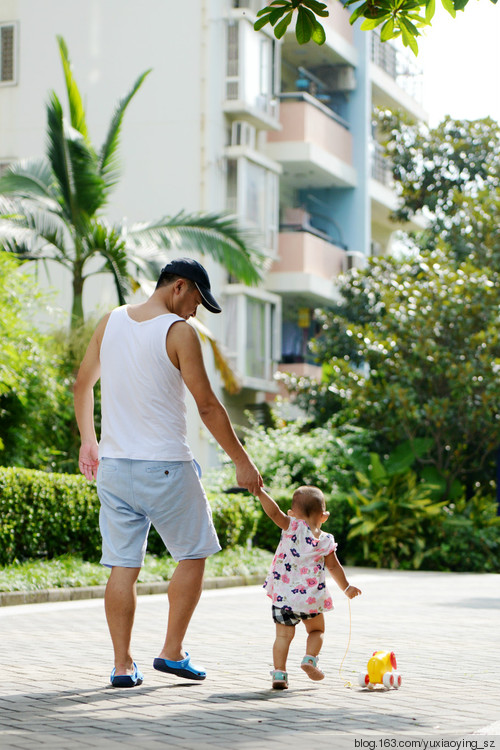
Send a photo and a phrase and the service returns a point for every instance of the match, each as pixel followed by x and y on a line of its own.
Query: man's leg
pixel 184 591
pixel 120 602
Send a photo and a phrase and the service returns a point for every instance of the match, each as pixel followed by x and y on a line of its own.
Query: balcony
pixel 313 147
pixel 338 47
pixel 396 79
pixel 306 268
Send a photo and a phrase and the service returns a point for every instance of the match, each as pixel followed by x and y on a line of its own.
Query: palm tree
pixel 51 209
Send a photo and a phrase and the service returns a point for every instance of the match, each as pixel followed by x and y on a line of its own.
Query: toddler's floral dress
pixel 296 580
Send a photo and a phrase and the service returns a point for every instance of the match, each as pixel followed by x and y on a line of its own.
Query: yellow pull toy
pixel 381 670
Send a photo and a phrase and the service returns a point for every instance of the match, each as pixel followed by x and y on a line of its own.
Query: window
pixel 252 194
pixel 7 53
pixel 252 321
pixel 252 68
pixel 232 79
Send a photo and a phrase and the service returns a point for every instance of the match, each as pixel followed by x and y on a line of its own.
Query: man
pixel 144 355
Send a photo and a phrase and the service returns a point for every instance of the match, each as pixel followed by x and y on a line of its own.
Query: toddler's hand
pixel 352 591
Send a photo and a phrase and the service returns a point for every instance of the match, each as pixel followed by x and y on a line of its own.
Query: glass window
pixel 252 335
pixel 257 340
pixel 252 194
pixel 252 62
pixel 7 53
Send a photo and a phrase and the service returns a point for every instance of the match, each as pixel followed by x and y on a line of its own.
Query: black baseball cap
pixel 190 269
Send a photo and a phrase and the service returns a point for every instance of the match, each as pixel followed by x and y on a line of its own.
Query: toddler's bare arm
pixel 338 574
pixel 272 509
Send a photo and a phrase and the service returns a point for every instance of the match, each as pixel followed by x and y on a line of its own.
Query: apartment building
pixel 228 120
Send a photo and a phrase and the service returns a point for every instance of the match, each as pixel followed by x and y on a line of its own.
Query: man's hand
pixel 88 460
pixel 248 477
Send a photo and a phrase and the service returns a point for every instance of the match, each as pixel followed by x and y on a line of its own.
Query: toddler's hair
pixel 310 500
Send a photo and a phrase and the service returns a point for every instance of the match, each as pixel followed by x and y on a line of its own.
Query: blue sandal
pixel 183 668
pixel 127 680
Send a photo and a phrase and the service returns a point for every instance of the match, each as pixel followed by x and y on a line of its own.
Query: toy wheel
pixel 363 679
pixel 388 680
pixel 397 680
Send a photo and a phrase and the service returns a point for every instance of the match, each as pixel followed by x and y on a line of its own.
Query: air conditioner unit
pixel 337 77
pixel 243 134
pixel 354 259
pixel 346 79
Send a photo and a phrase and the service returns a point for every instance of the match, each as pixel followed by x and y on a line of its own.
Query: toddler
pixel 296 580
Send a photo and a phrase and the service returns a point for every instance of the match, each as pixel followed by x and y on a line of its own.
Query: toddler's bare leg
pixel 315 631
pixel 284 637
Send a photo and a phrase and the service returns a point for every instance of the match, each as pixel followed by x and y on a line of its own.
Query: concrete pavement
pixel 444 628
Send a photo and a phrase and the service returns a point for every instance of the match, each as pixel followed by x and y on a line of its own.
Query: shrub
pixel 43 515
pixel 468 536
pixel 393 511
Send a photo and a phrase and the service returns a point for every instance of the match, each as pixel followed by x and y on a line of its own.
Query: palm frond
pixel 28 177
pixel 230 379
pixel 75 167
pixel 108 161
pixel 216 235
pixel 28 244
pixel 103 240
pixel 76 108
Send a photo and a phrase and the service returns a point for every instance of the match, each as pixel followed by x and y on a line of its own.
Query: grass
pixel 69 572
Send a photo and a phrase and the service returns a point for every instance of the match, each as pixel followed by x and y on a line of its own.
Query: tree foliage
pixel 451 175
pixel 34 392
pixel 396 18
pixel 414 352
pixel 52 209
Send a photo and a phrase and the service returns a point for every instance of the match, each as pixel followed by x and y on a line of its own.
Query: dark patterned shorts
pixel 285 616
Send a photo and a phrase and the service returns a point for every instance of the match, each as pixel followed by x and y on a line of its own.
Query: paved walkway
pixel 55 661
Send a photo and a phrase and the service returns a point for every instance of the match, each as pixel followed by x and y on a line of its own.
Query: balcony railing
pixel 398 66
pixel 381 166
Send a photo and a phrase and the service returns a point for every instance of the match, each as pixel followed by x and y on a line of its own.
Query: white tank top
pixel 142 393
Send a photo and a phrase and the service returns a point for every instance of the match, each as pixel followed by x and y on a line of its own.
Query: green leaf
pixel 304 27
pixel 77 111
pixel 258 25
pixel 281 28
pixel 372 23
pixel 408 36
pixel 319 34
pixel 387 30
pixel 269 8
pixel 358 12
pixel 460 4
pixel 449 6
pixel 377 471
pixel 430 9
pixel 364 528
pixel 411 28
pixel 275 15
pixel 108 162
pixel 319 8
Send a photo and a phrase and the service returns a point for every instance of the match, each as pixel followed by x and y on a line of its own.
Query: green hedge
pixel 43 515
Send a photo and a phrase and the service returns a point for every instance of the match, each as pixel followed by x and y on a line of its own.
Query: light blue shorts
pixel 167 494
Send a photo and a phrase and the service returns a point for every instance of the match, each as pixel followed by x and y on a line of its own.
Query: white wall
pixel 173 131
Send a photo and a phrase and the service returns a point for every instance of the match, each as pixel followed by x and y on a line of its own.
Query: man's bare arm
pixel 184 350
pixel 83 394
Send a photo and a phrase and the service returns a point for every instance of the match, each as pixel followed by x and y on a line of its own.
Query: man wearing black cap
pixel 145 355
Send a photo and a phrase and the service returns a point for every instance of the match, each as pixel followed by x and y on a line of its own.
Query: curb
pixel 15 598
